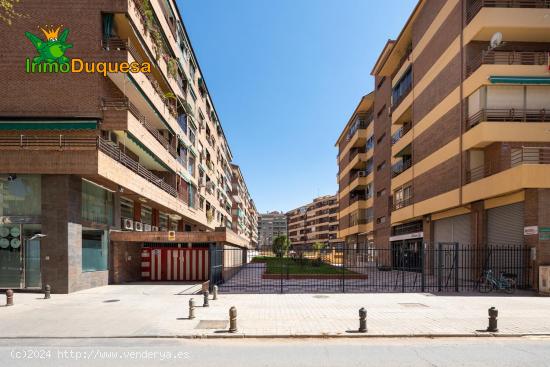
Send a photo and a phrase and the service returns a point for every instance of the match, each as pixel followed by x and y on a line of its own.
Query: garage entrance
pixel 174 263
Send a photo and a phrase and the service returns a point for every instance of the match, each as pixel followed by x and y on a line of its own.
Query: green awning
pixel 184 176
pixel 49 125
pixel 520 80
pixel 193 151
pixel 148 151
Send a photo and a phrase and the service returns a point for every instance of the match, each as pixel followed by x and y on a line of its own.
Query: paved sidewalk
pixel 144 310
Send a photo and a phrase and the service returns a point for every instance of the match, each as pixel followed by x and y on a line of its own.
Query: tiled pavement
pixel 139 310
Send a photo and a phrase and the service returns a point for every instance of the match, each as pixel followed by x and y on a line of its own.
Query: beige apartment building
pixel 244 213
pixel 97 170
pixel 459 122
pixel 314 222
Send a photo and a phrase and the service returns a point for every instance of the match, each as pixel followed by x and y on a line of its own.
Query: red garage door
pixel 174 264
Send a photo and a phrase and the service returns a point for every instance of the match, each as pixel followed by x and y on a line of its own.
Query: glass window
pixel 191 194
pixel 146 215
pixel 191 165
pixel 163 221
pixel 94 250
pixel 126 208
pixel 97 203
pixel 20 194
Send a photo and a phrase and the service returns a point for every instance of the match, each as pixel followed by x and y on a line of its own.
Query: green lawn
pixel 277 265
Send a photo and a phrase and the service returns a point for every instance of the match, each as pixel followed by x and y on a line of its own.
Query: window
pixel 163 221
pixel 97 204
pixel 20 194
pixel 381 220
pixel 182 121
pixel 381 166
pixel 402 87
pixel 381 193
pixel 191 196
pixel 192 135
pixel 146 215
pixel 192 71
pixel 126 208
pixel 94 250
pixel 191 165
pixel 381 138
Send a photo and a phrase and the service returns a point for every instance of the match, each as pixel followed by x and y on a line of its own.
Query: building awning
pixel 148 151
pixel 48 125
pixel 520 80
pixel 184 176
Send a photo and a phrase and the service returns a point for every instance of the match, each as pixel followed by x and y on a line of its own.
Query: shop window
pixel 20 194
pixel 146 215
pixel 97 203
pixel 126 208
pixel 94 250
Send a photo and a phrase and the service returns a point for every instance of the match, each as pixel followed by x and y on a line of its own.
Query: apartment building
pixel 270 226
pixel 314 222
pixel 98 167
pixel 460 131
pixel 244 213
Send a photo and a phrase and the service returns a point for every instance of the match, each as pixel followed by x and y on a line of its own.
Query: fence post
pixel 344 250
pixel 456 265
pixel 422 276
pixel 439 265
pixel 281 277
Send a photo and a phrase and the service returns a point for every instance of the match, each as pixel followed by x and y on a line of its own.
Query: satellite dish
pixel 496 40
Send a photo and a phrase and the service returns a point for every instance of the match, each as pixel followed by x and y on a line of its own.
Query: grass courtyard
pixel 287 265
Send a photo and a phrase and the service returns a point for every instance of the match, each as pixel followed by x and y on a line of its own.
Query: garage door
pixel 453 229
pixel 174 264
pixel 505 225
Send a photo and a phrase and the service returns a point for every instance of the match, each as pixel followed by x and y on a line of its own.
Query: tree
pixel 7 11
pixel 280 246
pixel 318 247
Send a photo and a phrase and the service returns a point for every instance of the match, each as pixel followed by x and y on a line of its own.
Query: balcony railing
pixel 400 133
pixel 507 58
pixel 402 203
pixel 400 167
pixel 475 6
pixel 354 152
pixel 62 142
pixel 509 115
pixel 524 155
pixel 124 103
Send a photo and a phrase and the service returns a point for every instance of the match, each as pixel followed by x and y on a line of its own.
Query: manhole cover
pixel 111 300
pixel 413 305
pixel 212 324
pixel 320 296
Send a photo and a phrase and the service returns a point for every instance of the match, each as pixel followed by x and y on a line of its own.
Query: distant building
pixel 271 225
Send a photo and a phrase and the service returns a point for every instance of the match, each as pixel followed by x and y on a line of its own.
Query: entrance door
pixel 10 256
pixel 32 264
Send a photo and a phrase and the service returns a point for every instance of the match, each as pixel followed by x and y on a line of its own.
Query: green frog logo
pixel 53 48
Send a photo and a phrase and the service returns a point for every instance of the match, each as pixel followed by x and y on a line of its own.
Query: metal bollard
pixel 205 302
pixel 191 309
pixel 493 314
pixel 233 320
pixel 362 320
pixel 9 297
pixel 215 292
pixel 47 291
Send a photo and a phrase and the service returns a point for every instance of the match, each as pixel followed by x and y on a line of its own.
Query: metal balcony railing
pixel 125 104
pixel 506 58
pixel 524 155
pixel 400 167
pixel 402 203
pixel 509 115
pixel 400 133
pixel 476 5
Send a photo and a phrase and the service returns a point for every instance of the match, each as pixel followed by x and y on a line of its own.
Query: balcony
pixel 401 166
pixel 62 142
pixel 508 115
pixel 125 104
pixel 507 58
pixel 400 133
pixel 402 203
pixel 475 6
pixel 520 156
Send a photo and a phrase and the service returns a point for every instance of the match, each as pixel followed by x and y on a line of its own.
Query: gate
pixel 173 263
pixel 446 267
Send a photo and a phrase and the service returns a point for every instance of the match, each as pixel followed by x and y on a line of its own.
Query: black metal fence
pixel 445 267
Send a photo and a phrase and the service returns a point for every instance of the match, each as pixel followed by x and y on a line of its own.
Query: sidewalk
pixel 161 311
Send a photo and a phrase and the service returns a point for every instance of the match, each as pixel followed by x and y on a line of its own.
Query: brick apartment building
pixel 453 144
pixel 96 170
pixel 314 222
pixel 244 213
pixel 270 226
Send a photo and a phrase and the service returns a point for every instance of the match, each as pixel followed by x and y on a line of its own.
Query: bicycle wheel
pixel 485 286
pixel 510 287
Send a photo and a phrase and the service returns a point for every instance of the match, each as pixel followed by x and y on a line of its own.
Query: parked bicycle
pixel 506 282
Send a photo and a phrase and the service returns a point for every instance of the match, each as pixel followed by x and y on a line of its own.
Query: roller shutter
pixel 505 225
pixel 453 229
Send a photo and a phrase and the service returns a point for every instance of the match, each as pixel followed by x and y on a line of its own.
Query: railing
pixel 124 103
pixel 358 124
pixel 114 43
pixel 354 152
pixel 507 58
pixel 523 155
pixel 400 133
pixel 41 142
pixel 476 5
pixel 402 203
pixel 400 167
pixel 115 153
pixel 508 115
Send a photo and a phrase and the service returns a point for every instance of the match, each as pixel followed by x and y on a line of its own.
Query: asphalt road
pixel 388 352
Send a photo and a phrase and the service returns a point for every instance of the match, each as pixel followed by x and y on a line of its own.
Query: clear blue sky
pixel 285 76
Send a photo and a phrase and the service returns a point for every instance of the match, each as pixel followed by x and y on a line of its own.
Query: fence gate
pixel 444 267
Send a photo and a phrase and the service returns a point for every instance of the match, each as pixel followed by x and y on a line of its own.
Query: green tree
pixel 318 247
pixel 280 246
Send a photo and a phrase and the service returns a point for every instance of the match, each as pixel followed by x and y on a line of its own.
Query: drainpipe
pixel 461 155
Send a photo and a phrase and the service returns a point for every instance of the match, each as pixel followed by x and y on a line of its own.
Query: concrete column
pixel 137 211
pixel 478 226
pixel 536 213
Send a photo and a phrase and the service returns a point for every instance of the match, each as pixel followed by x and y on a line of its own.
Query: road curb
pixel 290 336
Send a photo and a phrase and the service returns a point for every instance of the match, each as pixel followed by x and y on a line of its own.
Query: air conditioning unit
pixel 154 228
pixel 544 280
pixel 147 227
pixel 138 226
pixel 164 229
pixel 362 174
pixel 127 224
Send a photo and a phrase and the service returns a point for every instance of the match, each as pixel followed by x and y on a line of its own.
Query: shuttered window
pixel 505 225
